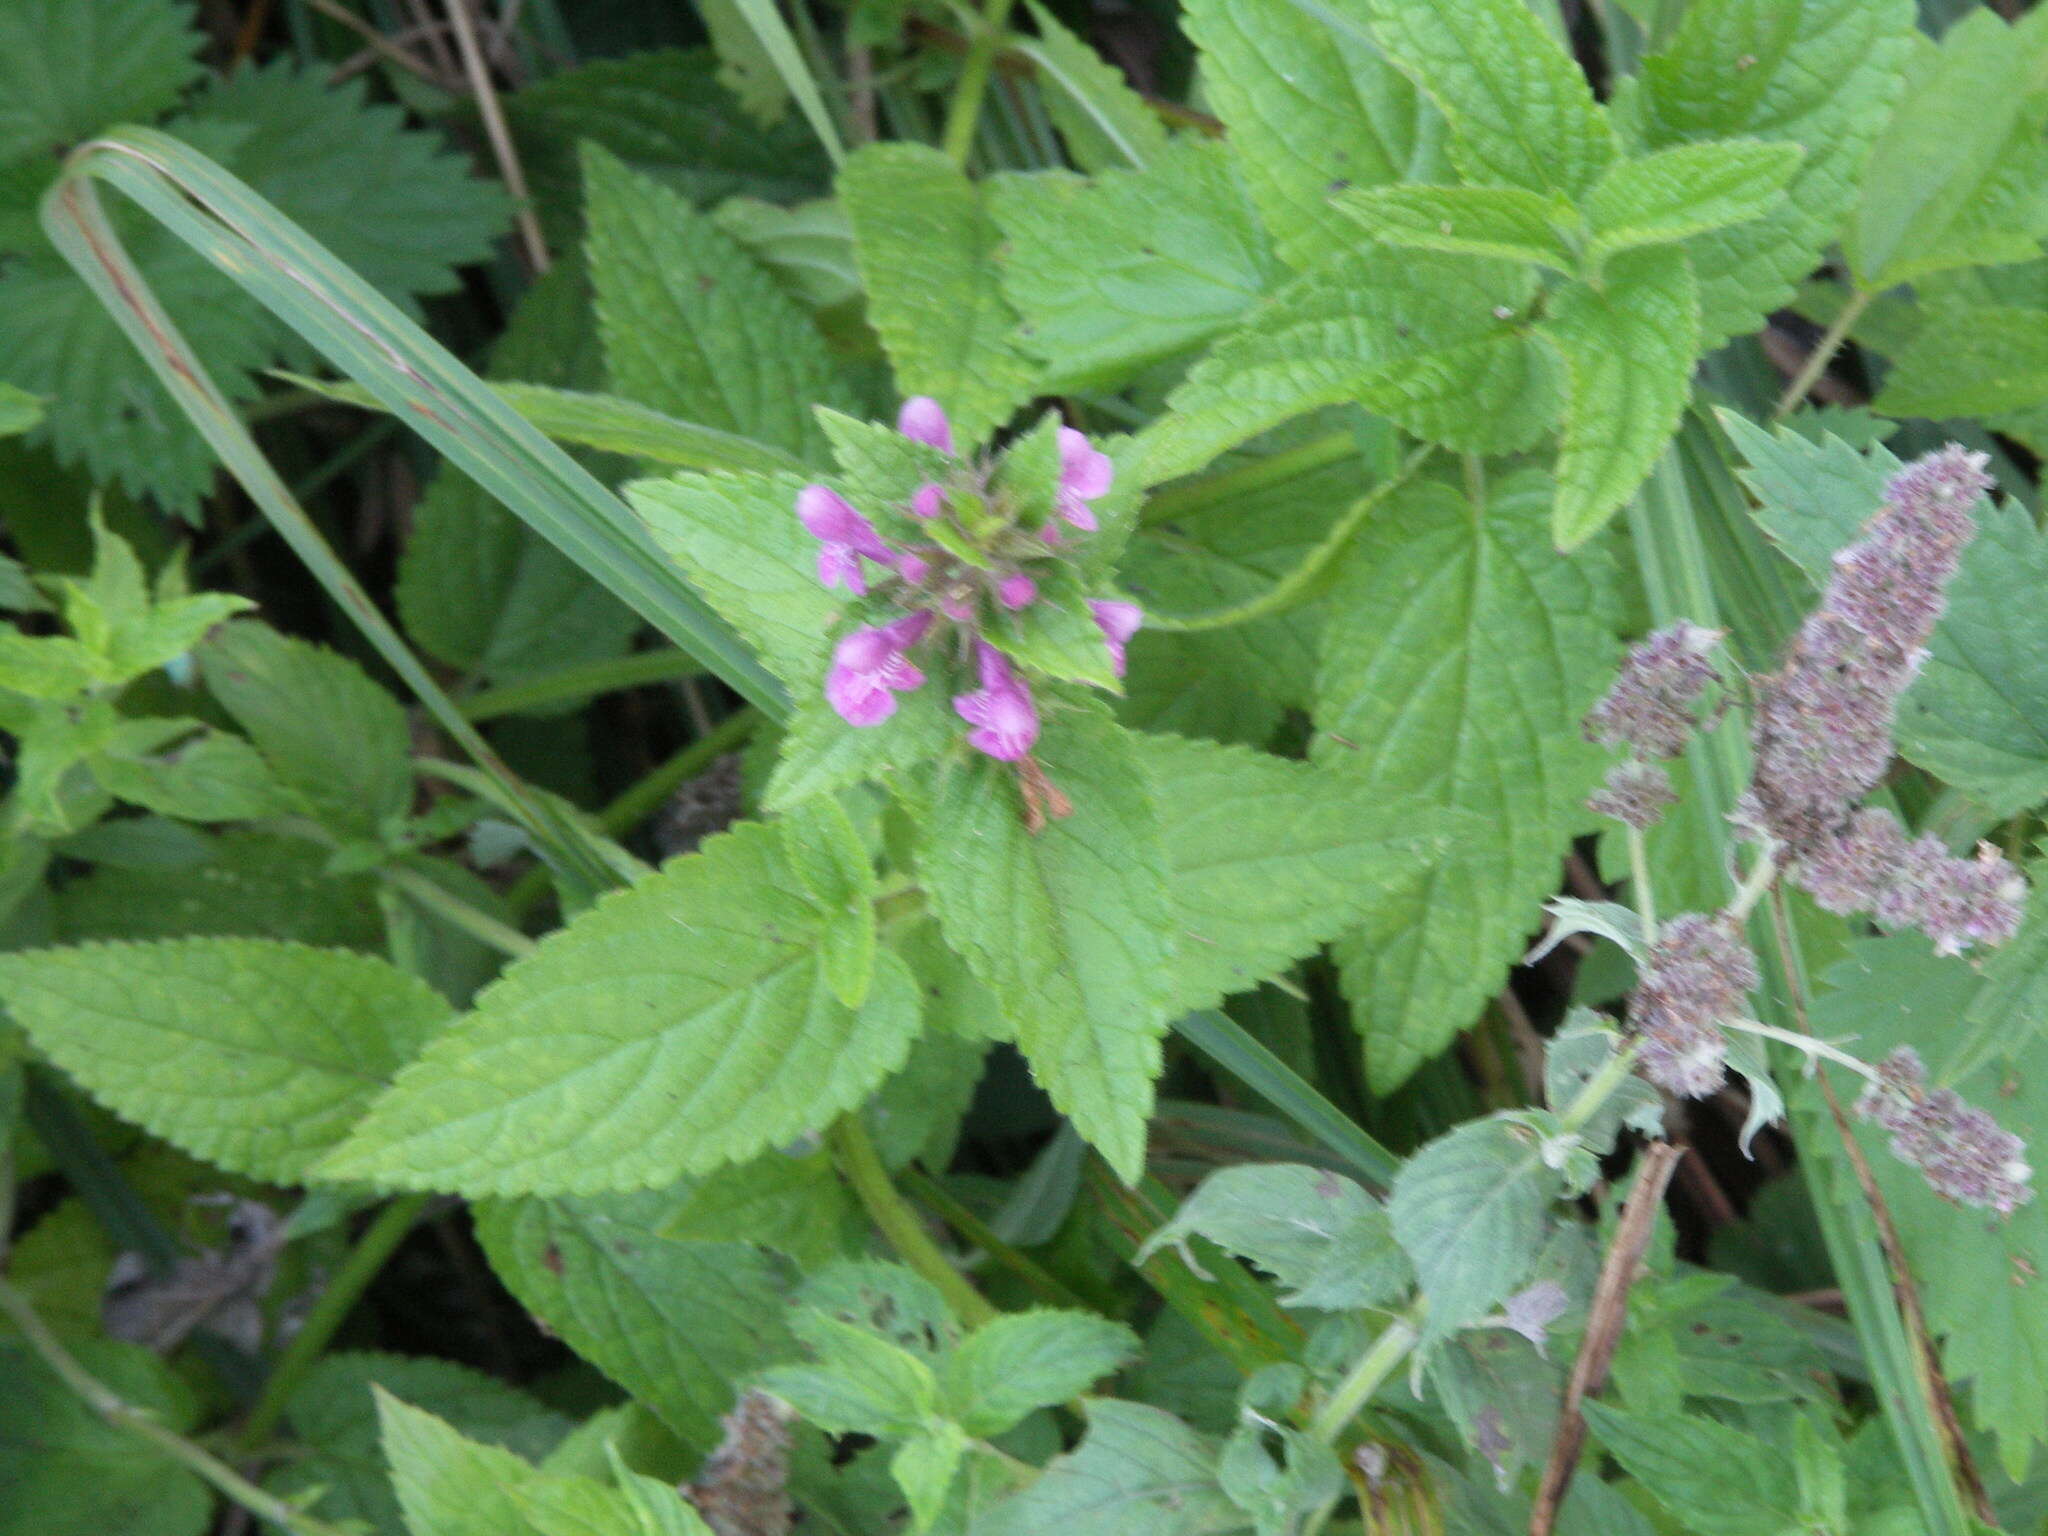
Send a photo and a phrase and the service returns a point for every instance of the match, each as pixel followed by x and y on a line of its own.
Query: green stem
pixel 1380 1360
pixel 1754 884
pixel 1639 879
pixel 122 1414
pixel 379 1239
pixel 862 1167
pixel 567 685
pixel 1823 353
pixel 1600 1087
pixel 479 925
pixel 929 1192
pixel 1274 469
pixel 1810 1045
pixel 965 112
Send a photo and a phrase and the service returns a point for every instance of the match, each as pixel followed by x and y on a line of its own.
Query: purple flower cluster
pixel 1962 1151
pixel 1698 973
pixel 1872 866
pixel 1823 729
pixel 1650 707
pixel 1636 794
pixel 939 587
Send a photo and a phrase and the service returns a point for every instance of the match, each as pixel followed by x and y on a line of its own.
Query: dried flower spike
pixel 1698 973
pixel 1650 707
pixel 1962 1151
pixel 1636 794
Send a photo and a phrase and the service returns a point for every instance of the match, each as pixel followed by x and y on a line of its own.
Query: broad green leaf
pixel 1139 1472
pixel 1028 1360
pixel 1684 1464
pixel 255 1055
pixel 1971 362
pixel 1105 123
pixel 1460 657
pixel 47 666
pixel 1812 496
pixel 1957 176
pixel 1439 347
pixel 677 1321
pixel 808 249
pixel 793 1203
pixel 1316 1232
pixel 1268 857
pixel 333 1415
pixel 737 539
pixel 333 738
pixel 1686 190
pixel 1510 223
pixel 19 410
pixel 1521 111
pixel 1571 1058
pixel 693 325
pixel 2009 1011
pixel 1112 275
pixel 1069 926
pixel 1279 1475
pixel 926 245
pixel 673 1027
pixel 446 1483
pixel 1311 106
pixel 1470 1210
pixel 1628 348
pixel 855 1382
pixel 744 65
pixel 924 1468
pixel 207 776
pixel 1818 73
pixel 65 1471
pixel 67 70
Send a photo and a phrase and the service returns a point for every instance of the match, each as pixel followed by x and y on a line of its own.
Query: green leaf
pixel 67 70
pixel 1684 1463
pixel 1979 197
pixel 68 1472
pixel 1470 1209
pixel 925 245
pixel 252 1054
pixel 1105 123
pixel 1509 223
pixel 47 666
pixel 334 739
pixel 446 1483
pixel 737 539
pixel 1113 275
pixel 693 325
pixel 1813 496
pixel 1267 858
pixel 1068 926
pixel 672 1027
pixel 333 1415
pixel 1438 347
pixel 1628 348
pixel 19 410
pixel 208 776
pixel 924 1467
pixel 1521 111
pixel 679 1321
pixel 744 65
pixel 1139 1472
pixel 1818 73
pixel 1460 658
pixel 821 753
pixel 1974 361
pixel 856 1382
pixel 1686 190
pixel 1028 1360
pixel 1311 106
pixel 1316 1232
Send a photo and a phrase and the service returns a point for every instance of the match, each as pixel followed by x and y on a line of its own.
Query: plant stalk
pixel 861 1166
pixel 1380 1360
pixel 1823 353
pixel 964 115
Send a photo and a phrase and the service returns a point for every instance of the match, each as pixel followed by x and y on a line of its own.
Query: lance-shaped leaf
pixel 1511 223
pixel 1686 190
pixel 681 1024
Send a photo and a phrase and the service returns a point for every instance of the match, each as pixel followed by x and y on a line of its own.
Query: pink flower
pixel 1005 719
pixel 928 502
pixel 1016 591
pixel 869 667
pixel 1118 622
pixel 914 568
pixel 923 420
pixel 1086 472
pixel 844 535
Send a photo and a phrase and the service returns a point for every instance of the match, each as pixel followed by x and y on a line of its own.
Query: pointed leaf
pixel 1686 190
pixel 1024 1361
pixel 1510 223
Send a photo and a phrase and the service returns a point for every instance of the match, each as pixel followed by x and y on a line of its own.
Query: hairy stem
pixel 584 680
pixel 861 1165
pixel 364 1260
pixel 965 113
pixel 1600 1087
pixel 1381 1359
pixel 1823 353
pixel 1639 882
pixel 1754 884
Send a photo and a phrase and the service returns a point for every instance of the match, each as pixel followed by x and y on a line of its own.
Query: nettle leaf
pixel 68 1472
pixel 1269 857
pixel 67 71
pixel 1311 106
pixel 450 1485
pixel 1024 1361
pixel 693 325
pixel 1571 1059
pixel 1628 348
pixel 1982 199
pixel 208 775
pixel 856 1381
pixel 1459 659
pixel 676 1320
pixel 1818 73
pixel 821 753
pixel 1511 223
pixel 1973 361
pixel 1813 495
pixel 926 245
pixel 1683 1462
pixel 1111 276
pixel 1316 1232
pixel 738 540
pixel 333 738
pixel 1139 1472
pixel 1438 347
pixel 1521 111
pixel 251 1054
pixel 1470 1210
pixel 1071 926
pixel 673 1027
pixel 1105 123
pixel 1686 190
